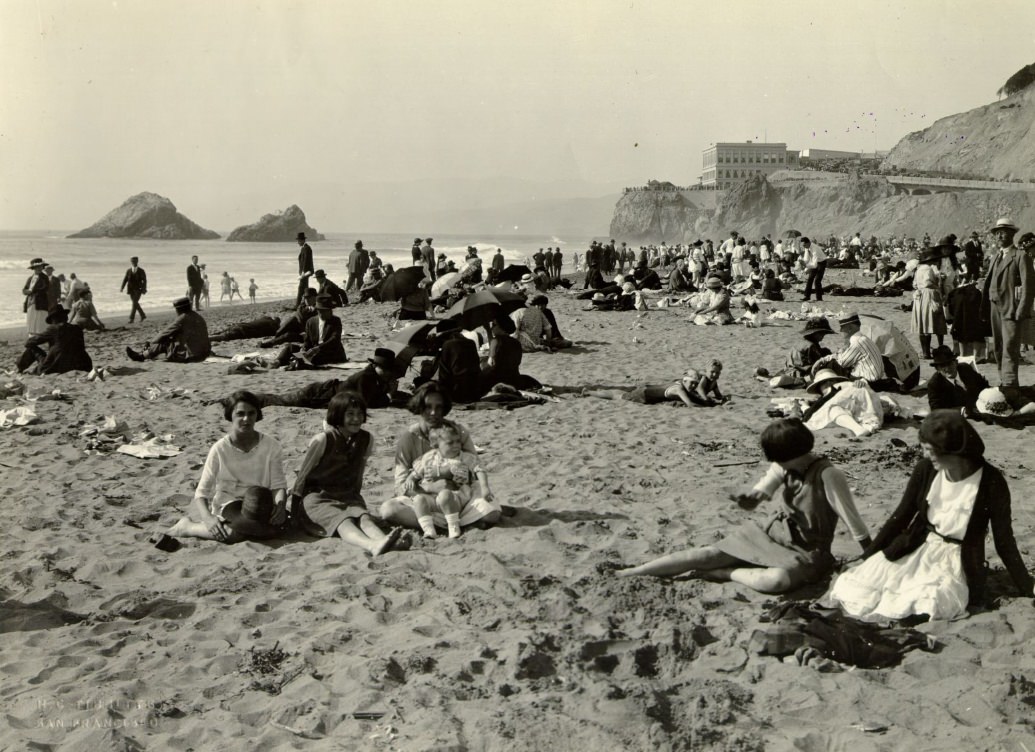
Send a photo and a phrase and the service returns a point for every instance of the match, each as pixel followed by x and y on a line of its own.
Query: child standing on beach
pixel 252 287
pixel 444 476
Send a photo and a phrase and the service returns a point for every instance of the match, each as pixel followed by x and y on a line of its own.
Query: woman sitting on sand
pixel 431 405
pixel 326 498
pixel 793 547
pixel 929 558
pixel 716 307
pixel 84 314
pixel 243 459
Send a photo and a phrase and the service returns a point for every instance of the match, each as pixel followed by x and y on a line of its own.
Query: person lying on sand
pixel 692 389
pixel 844 403
pixel 793 547
pixel 241 460
pixel 376 384
pixel 929 558
pixel 292 329
pixel 442 478
pixel 263 326
pixel 326 499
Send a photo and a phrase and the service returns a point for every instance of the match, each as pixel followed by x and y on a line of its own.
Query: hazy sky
pixel 233 109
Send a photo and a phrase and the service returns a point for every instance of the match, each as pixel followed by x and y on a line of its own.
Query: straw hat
pixel 1004 224
pixel 822 377
pixel 993 402
pixel 713 283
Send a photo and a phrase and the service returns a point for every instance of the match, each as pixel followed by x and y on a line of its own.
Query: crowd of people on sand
pixel 471 323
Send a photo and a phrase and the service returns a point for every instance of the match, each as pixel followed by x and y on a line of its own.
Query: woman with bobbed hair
pixel 431 404
pixel 929 558
pixel 241 460
pixel 793 547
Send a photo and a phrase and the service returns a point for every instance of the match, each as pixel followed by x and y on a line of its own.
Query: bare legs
pixel 710 563
pixel 367 535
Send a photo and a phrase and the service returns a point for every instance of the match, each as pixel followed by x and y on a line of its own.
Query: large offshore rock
pixel 653 216
pixel 279 227
pixel 146 215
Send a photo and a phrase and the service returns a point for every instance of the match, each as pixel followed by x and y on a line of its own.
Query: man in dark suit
pixel 359 261
pixel 375 384
pixel 326 287
pixel 305 266
pixel 974 256
pixel 53 288
pixel 1007 299
pixel 458 367
pixel 195 283
pixel 321 343
pixel 185 340
pixel 427 257
pixel 954 384
pixel 65 347
pixel 135 283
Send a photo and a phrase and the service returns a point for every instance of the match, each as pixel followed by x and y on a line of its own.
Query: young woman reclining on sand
pixel 243 479
pixel 793 547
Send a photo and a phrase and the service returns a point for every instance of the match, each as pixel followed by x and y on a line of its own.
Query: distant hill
pixel 994 141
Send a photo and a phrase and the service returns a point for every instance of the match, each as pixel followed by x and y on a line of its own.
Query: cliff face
pixel 995 141
pixel 653 216
pixel 146 215
pixel 279 227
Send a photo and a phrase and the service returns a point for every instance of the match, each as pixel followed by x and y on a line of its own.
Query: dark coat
pixel 66 350
pixel 36 292
pixel 186 339
pixel 194 279
pixel 963 310
pixel 369 384
pixel 328 349
pixel 337 294
pixel 991 507
pixel 305 260
pixel 53 292
pixel 135 281
pixel 459 369
pixel 1010 284
pixel 943 393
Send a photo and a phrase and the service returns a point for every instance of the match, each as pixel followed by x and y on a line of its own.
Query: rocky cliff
pixel 653 216
pixel 994 141
pixel 146 215
pixel 279 227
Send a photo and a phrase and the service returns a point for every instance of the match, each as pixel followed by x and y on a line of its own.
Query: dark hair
pixel 506 324
pixel 786 438
pixel 340 403
pixel 241 395
pixel 419 399
pixel 540 299
pixel 950 433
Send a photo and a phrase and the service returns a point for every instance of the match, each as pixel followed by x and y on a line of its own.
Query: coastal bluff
pixel 279 227
pixel 146 215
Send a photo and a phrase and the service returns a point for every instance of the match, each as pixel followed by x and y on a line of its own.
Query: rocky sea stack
pixel 280 227
pixel 146 215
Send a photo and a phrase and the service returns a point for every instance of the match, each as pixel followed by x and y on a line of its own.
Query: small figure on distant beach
pixel 224 288
pixel 305 266
pixel 195 283
pixel 35 292
pixel 252 289
pixel 134 283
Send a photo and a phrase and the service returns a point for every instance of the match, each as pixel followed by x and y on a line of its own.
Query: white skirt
pixel 928 581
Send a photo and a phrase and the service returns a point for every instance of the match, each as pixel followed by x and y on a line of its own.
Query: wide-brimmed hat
pixel 698 243
pixel 384 358
pixel 823 376
pixel 324 303
pixel 418 241
pixel 942 356
pixel 1026 240
pixel 850 319
pixel 993 402
pixel 300 236
pixel 181 303
pixel 930 256
pixel 818 325
pixel 1004 224
pixel 250 516
pixel 36 263
pixel 319 273
pixel 526 278
pixel 948 243
pixel 56 314
pixel 713 283
pixel 599 296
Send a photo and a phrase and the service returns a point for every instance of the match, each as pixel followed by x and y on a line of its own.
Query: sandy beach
pixel 515 638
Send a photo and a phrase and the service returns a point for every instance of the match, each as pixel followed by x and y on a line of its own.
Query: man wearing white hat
pixel 1007 299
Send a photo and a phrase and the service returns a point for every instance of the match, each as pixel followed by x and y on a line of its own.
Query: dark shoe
pixel 142 317
pixel 134 355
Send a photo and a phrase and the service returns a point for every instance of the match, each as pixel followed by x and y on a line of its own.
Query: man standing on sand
pixel 195 283
pixel 497 263
pixel 974 257
pixel 305 267
pixel 427 257
pixel 135 284
pixel 815 261
pixel 558 262
pixel 1007 299
pixel 358 263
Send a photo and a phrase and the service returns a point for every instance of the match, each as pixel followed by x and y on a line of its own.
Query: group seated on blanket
pixel 185 340
pixel 536 326
pixel 693 389
pixel 862 359
pixel 59 348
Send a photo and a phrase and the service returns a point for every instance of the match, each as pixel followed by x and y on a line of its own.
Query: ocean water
pixel 102 263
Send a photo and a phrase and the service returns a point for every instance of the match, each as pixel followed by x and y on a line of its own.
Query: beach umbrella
pixel 403 354
pixel 414 335
pixel 483 306
pixel 444 283
pixel 401 282
pixel 792 234
pixel 513 273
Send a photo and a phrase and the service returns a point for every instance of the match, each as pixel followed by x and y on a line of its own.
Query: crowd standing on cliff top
pixel 468 322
